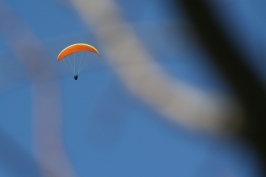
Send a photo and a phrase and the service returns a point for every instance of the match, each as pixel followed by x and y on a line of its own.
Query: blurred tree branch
pixel 247 87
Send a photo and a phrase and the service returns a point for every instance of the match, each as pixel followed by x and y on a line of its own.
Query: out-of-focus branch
pixel 175 100
pixel 46 95
pixel 247 87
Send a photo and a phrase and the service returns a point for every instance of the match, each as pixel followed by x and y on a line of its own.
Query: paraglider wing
pixel 79 47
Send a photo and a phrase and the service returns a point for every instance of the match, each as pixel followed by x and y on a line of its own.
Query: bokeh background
pixel 157 102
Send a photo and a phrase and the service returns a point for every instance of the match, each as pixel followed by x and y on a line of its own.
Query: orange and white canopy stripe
pixel 79 47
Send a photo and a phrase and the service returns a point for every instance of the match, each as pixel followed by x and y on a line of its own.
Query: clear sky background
pixel 106 130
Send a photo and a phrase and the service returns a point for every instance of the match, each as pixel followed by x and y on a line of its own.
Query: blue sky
pixel 106 130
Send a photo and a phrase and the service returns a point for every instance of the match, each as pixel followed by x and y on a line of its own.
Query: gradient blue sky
pixel 136 142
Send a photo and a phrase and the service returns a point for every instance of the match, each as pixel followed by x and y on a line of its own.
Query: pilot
pixel 76 77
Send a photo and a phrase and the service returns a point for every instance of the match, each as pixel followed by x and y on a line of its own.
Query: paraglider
pixel 76 66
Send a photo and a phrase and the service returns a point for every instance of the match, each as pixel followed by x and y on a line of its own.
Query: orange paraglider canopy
pixel 79 47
